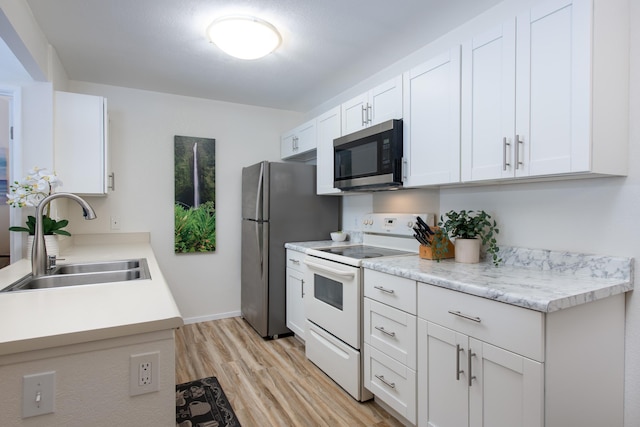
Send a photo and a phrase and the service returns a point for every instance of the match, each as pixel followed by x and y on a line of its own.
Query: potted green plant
pixel 471 229
pixel 38 184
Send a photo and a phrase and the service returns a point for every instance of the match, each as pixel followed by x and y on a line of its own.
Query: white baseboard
pixel 199 319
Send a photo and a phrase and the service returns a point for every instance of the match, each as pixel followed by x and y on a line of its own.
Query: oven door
pixel 335 299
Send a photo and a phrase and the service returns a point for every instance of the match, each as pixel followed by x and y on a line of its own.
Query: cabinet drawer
pixel 294 260
pixel 390 381
pixel 513 328
pixel 391 331
pixel 395 291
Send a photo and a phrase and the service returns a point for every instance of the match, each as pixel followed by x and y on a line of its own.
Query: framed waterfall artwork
pixel 195 194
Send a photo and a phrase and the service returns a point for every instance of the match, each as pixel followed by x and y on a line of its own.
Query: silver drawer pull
pixel 295 261
pixel 465 316
pixel 380 288
pixel 384 331
pixel 387 383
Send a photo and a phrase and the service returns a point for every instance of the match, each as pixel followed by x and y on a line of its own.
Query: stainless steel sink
pixel 85 274
pixel 98 267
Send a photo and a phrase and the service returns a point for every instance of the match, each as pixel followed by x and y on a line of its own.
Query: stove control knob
pixel 410 224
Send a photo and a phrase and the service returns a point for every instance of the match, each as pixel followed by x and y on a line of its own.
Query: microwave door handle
pixel 324 268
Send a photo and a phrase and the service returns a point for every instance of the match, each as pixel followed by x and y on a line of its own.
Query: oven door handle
pixel 324 268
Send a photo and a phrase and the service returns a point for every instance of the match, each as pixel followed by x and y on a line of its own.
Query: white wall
pixel 143 125
pixel 92 383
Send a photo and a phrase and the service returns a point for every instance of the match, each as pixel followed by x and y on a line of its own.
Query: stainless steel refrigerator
pixel 279 205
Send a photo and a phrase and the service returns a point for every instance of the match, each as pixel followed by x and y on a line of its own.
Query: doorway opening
pixel 5 179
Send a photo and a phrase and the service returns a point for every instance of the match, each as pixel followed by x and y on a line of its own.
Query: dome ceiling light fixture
pixel 244 37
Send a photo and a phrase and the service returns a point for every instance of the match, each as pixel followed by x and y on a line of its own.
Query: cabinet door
pixel 507 389
pixel 287 145
pixel 81 143
pixel 385 102
pixel 328 128
pixel 295 302
pixel 307 138
pixel 442 380
pixel 354 114
pixel 432 121
pixel 300 142
pixel 553 87
pixel 488 104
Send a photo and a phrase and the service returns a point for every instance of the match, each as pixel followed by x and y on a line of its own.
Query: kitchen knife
pixel 421 240
pixel 423 225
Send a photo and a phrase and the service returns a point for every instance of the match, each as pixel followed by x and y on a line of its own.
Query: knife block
pixel 427 253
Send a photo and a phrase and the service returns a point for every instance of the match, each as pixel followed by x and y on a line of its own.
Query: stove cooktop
pixel 364 251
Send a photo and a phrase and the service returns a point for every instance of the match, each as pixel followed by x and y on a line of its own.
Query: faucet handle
pixel 51 262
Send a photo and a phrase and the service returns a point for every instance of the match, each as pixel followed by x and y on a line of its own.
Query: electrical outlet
pixel 144 374
pixel 115 223
pixel 144 370
pixel 38 394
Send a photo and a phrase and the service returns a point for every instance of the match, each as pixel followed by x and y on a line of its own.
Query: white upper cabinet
pixel 568 113
pixel 488 104
pixel 328 128
pixel 432 121
pixel 380 104
pixel 81 143
pixel 299 143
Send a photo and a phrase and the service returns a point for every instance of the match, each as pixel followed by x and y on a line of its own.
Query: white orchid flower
pixel 38 184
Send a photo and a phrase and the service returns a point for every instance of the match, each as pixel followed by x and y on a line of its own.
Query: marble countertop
pixel 45 318
pixel 540 280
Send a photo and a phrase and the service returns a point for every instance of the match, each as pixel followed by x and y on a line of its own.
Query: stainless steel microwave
pixel 370 159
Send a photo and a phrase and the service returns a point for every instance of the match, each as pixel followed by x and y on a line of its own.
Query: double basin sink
pixel 85 274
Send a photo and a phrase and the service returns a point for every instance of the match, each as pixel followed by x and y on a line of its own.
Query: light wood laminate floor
pixel 268 382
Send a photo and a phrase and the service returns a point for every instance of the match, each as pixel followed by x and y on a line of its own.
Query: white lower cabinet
pixel 390 341
pixel 296 271
pixel 467 382
pixel 484 363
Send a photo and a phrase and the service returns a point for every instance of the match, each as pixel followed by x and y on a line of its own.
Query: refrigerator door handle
pixel 259 193
pixel 260 247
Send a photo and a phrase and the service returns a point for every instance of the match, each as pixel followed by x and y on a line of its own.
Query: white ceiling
pixel 160 45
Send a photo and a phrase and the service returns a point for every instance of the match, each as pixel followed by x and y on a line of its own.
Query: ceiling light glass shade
pixel 244 37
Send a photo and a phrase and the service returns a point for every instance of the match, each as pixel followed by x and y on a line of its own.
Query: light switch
pixel 38 394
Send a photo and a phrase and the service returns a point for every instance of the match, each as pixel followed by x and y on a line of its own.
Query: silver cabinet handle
pixel 295 261
pixel 387 383
pixel 384 331
pixel 469 356
pixel 458 370
pixel 369 113
pixel 112 177
pixel 465 316
pixel 302 288
pixel 362 116
pixel 505 144
pixel 519 143
pixel 388 291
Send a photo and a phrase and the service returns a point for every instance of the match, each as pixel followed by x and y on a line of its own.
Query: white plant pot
pixel 50 241
pixel 467 250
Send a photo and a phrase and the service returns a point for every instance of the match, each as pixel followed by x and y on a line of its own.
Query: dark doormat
pixel 202 403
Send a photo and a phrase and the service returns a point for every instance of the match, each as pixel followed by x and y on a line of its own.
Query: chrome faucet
pixel 39 251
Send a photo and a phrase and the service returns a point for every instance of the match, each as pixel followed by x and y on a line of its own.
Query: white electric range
pixel 334 309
